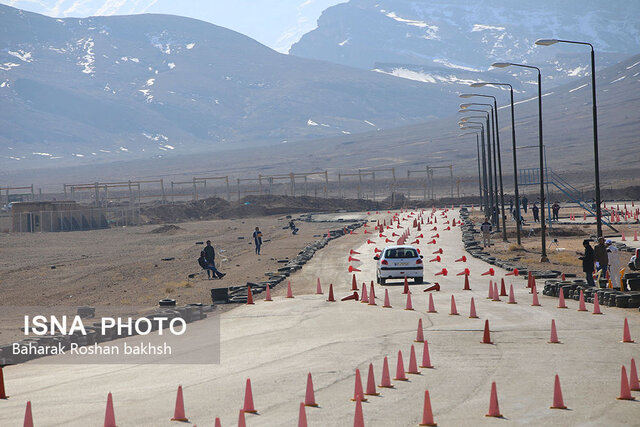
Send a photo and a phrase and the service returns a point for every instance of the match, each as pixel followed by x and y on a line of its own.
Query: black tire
pixel 377 279
pixel 383 281
pixel 418 280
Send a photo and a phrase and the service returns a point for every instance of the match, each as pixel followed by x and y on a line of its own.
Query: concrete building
pixel 56 216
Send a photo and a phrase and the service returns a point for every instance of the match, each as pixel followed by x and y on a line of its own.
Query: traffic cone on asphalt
pixel 358 394
pixel 371 383
pixel 581 305
pixel 241 420
pixel 331 297
pixel 409 305
pixel 466 283
pixel 534 299
pixel 443 272
pixel 561 303
pixel 626 335
pixel 472 310
pixel 178 413
pixel 558 403
pixel 426 360
pixel 302 416
pixel 352 252
pixel 387 304
pixel 289 291
pixel 386 378
pixel 358 419
pixel 634 384
pixel 28 418
pixel 310 398
pixel 413 363
pixel 352 259
pixel 268 297
pixel 490 296
pixel 494 409
pixel 596 305
pixel 496 295
pixel 109 415
pixel 3 394
pixel 249 295
pixel 530 279
pixel 420 334
pixel 354 296
pixel 405 290
pixel 218 422
pixel 372 295
pixel 554 334
pixel 512 296
pixel 248 399
pixel 454 309
pixel 623 238
pixel 431 308
pixel 318 287
pixel 427 414
pixel 625 391
pixel 489 272
pixel 365 298
pixel 400 376
pixel 486 337
pixel 354 283
pixel 353 269
pixel 503 289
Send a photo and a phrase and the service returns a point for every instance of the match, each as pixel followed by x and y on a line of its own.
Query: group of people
pixel 207 258
pixel 535 210
pixel 602 258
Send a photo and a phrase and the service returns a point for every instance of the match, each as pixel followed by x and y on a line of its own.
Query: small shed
pixel 56 216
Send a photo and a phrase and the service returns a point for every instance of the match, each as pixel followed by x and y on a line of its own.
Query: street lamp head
pixel 466 105
pixel 466 95
pixel 501 64
pixel 478 84
pixel 546 42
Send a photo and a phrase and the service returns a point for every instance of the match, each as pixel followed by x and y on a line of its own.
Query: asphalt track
pixel 276 344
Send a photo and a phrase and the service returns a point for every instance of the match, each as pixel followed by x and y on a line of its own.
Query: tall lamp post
pixel 494 114
pixel 478 151
pixel 549 42
pixel 515 158
pixel 464 125
pixel 543 228
pixel 495 149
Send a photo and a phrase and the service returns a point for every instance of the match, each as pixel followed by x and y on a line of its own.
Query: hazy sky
pixel 275 23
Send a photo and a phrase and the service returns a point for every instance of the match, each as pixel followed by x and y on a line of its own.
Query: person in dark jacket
pixel 536 212
pixel 588 260
pixel 257 239
pixel 601 256
pixel 210 258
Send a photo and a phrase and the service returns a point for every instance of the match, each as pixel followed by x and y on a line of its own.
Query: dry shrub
pixel 514 247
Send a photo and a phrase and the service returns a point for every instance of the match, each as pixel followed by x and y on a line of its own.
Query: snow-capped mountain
pixel 443 41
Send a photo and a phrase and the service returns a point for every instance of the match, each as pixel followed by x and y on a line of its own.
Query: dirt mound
pixel 167 229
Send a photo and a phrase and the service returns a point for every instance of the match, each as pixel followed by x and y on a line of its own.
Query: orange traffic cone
pixel 431 308
pixel 365 298
pixel 496 295
pixel 331 297
pixel 289 291
pixel 596 305
pixel 554 334
pixel 405 290
pixel 310 398
pixel 529 279
pixel 409 305
pixel 358 419
pixel 354 283
pixel 634 384
pixel 494 409
pixel 268 297
pixel 625 391
pixel 318 287
pixel 178 414
pixel 472 310
pixel 3 394
pixel 353 269
pixel 626 335
pixel 490 295
pixel 386 378
pixel 512 296
pixel 358 394
pixel 302 416
pixel 371 383
pixel 534 302
pixel 486 337
pixel 248 399
pixel 241 420
pixel 413 363
pixel 503 289
pixel 427 414
pixel 28 418
pixel 454 309
pixel 581 305
pixel 420 334
pixel 249 295
pixel 561 303
pixel 466 283
pixel 426 360
pixel 372 295
pixel 400 376
pixel 558 403
pixel 387 304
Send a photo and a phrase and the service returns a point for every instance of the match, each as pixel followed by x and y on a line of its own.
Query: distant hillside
pixel 74 91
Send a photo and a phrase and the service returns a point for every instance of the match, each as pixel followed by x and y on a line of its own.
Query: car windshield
pixel 401 253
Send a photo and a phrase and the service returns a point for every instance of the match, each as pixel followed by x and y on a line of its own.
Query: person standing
pixel 555 208
pixel 525 203
pixel 257 239
pixel 615 265
pixel 536 212
pixel 588 261
pixel 486 232
pixel 511 206
pixel 602 257
pixel 210 257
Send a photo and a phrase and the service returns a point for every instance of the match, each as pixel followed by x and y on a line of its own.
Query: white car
pixel 398 262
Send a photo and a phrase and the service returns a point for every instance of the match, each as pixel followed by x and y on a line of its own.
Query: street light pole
pixel 480 126
pixel 549 42
pixel 478 152
pixel 543 228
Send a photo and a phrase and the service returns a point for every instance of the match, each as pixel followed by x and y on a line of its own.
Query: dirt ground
pixel 569 235
pixel 124 266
